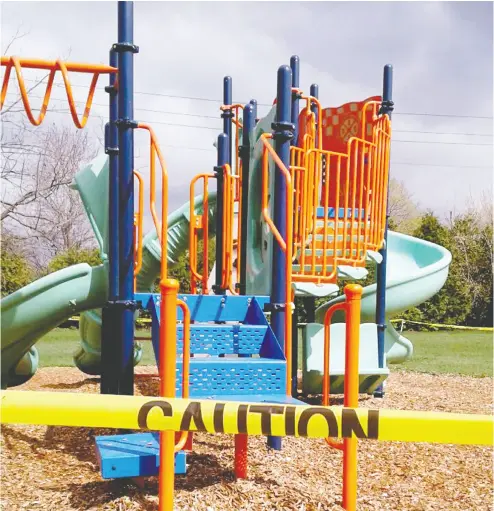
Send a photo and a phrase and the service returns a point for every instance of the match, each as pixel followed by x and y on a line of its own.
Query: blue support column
pixel 253 102
pixel 249 122
pixel 282 134
pixel 295 67
pixel 126 124
pixel 222 148
pixel 386 108
pixel 227 115
pixel 110 332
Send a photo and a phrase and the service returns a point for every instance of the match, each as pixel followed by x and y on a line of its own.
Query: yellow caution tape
pixel 131 412
pixel 459 327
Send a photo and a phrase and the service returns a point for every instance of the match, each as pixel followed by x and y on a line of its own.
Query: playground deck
pixel 55 468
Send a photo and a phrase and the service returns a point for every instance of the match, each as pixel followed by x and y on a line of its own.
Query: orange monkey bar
pixel 351 306
pixel 53 67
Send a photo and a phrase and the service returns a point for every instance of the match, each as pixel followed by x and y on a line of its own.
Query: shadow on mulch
pixel 76 442
pixel 74 385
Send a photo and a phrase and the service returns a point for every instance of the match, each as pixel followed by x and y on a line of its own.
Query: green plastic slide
pixel 416 271
pixel 34 310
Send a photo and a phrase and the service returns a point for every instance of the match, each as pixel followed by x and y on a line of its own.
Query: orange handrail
pixel 286 246
pixel 140 226
pixel 185 366
pixel 161 227
pixel 351 307
pixel 198 222
pixel 53 67
pixel 228 225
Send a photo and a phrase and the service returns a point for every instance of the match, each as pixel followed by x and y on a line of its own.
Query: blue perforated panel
pixel 223 339
pixel 234 376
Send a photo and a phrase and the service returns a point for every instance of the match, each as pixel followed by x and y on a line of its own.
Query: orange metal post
pixel 167 368
pixel 241 456
pixel 353 293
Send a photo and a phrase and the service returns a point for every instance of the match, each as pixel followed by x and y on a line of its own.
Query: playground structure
pixel 299 205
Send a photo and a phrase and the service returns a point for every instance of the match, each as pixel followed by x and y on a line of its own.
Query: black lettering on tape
pixel 290 420
pixel 242 418
pixel 373 424
pixel 193 411
pixel 308 413
pixel 142 416
pixel 351 424
pixel 219 409
pixel 266 411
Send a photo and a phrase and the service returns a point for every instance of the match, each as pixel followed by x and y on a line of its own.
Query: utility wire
pixel 211 100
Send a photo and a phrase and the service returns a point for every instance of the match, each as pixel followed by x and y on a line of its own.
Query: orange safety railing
pixel 285 245
pixel 160 225
pixel 53 67
pixel 138 227
pixel 199 223
pixel 351 307
pixel 229 180
pixel 327 181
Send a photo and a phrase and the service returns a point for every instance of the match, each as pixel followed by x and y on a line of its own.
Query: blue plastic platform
pixel 132 455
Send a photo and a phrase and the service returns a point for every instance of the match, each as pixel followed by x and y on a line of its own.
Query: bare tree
pixel 403 210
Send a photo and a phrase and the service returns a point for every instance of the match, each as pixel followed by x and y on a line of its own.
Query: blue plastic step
pixel 214 339
pixel 330 212
pixel 132 455
pixel 220 376
pixel 259 398
pixel 204 308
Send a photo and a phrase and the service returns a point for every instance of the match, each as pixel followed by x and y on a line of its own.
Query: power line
pixel 445 133
pixel 441 165
pixel 211 100
pixel 437 142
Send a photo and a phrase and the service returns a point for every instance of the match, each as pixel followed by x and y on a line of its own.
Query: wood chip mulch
pixel 47 468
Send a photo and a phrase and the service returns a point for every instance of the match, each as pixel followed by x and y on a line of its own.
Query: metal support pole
pixel 222 148
pixel 386 108
pixel 126 124
pixel 227 115
pixel 295 67
pixel 310 301
pixel 282 134
pixel 249 123
pixel 253 102
pixel 110 331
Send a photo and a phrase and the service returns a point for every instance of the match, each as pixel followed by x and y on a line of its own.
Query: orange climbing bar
pixel 139 233
pixel 285 245
pixel 351 307
pixel 197 223
pixel 161 226
pixel 228 223
pixel 53 67
pixel 185 366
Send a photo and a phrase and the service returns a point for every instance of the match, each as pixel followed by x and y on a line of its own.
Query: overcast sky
pixel 442 55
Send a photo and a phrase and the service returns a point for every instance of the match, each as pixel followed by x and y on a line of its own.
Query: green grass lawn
pixel 455 352
pixel 465 352
pixel 57 347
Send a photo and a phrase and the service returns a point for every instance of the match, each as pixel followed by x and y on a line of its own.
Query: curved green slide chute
pixel 31 312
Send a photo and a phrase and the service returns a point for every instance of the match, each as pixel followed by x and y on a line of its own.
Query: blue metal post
pixel 126 124
pixel 249 122
pixel 282 134
pixel 386 108
pixel 110 333
pixel 222 148
pixel 227 115
pixel 253 102
pixel 295 67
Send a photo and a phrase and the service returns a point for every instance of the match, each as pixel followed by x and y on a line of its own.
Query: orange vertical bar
pixel 167 371
pixel 241 456
pixel 205 236
pixel 353 293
